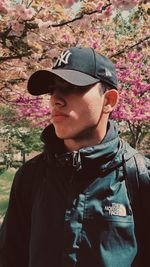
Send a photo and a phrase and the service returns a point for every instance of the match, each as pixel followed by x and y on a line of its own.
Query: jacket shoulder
pixel 137 162
pixel 30 173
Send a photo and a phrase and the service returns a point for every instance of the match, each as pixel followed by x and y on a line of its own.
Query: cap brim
pixel 41 81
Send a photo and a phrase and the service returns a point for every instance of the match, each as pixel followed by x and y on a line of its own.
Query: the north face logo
pixel 116 209
pixel 63 58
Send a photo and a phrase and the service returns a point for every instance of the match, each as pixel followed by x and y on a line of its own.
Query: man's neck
pixel 78 143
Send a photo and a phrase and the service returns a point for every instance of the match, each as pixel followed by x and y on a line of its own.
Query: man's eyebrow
pixel 60 83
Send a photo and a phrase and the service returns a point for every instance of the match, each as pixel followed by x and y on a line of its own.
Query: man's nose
pixel 57 98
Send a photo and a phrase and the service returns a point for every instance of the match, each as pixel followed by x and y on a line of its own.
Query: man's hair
pixel 104 87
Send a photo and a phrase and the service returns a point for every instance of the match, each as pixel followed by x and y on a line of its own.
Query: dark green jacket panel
pixel 73 210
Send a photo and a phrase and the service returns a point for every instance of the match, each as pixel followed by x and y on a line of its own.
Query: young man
pixel 70 206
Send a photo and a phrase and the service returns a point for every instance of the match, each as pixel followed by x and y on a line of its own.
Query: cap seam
pixel 94 61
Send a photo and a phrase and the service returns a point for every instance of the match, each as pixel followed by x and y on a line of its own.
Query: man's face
pixel 76 113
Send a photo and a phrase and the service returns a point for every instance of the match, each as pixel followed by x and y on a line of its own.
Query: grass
pixel 6 179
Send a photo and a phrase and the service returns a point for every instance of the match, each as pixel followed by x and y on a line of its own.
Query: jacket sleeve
pixel 143 219
pixel 14 232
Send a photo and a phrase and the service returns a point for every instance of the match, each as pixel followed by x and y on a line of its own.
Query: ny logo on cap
pixel 108 73
pixel 63 58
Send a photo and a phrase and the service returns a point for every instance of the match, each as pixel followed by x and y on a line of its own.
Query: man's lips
pixel 58 115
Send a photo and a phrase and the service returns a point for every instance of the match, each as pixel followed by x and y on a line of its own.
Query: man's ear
pixel 110 101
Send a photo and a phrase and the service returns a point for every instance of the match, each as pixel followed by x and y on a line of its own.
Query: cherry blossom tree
pixel 33 32
pixel 134 94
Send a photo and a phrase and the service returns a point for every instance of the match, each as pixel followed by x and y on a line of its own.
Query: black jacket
pixel 71 209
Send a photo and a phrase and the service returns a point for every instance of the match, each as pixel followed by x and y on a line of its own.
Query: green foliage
pixel 2 168
pixel 5 184
pixel 16 164
pixel 17 134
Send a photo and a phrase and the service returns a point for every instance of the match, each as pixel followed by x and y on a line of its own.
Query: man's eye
pixel 65 90
pixel 61 90
pixel 68 90
pixel 51 92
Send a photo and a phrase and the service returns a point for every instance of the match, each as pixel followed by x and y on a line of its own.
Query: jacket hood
pixel 107 155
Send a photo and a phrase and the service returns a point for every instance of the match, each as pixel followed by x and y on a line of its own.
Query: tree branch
pixel 114 55
pixel 4 100
pixel 15 56
pixel 80 16
pixel 33 26
pixel 12 81
pixel 130 47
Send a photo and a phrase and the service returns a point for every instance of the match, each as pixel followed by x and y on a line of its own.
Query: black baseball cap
pixel 77 66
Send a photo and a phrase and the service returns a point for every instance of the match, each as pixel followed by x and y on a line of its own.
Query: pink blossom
pixel 43 24
pixel 125 4
pixel 108 11
pixel 20 11
pixel 95 45
pixel 17 28
pixel 100 5
pixel 34 110
pixel 134 103
pixel 32 38
pixel 4 4
pixel 67 3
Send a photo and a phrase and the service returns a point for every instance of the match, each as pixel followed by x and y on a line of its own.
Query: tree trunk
pixel 23 153
pixel 135 130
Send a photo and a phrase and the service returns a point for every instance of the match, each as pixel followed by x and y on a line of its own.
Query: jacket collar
pixel 106 154
pixel 56 145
